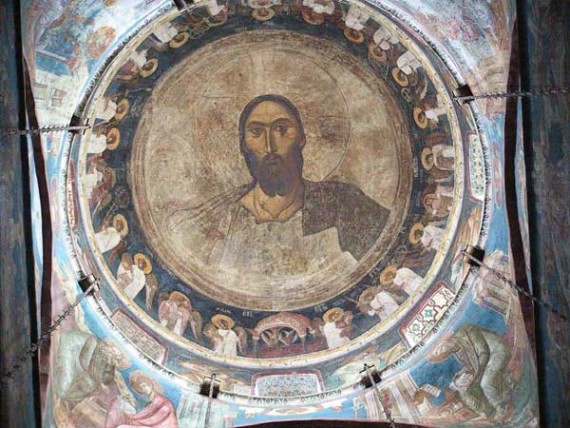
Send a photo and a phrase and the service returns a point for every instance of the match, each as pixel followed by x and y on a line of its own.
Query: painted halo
pixel 179 40
pixel 427 159
pixel 332 315
pixel 387 275
pixel 113 139
pixel 122 109
pixel 228 323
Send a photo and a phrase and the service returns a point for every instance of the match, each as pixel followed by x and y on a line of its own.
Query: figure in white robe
pixel 333 335
pixel 139 58
pixel 384 39
pixel 173 316
pixel 432 236
pixel 228 344
pixel 355 18
pixel 225 337
pixel 97 144
pixel 175 313
pixel 165 33
pixel 335 326
pixel 320 6
pixel 92 180
pixel 107 239
pixel 131 278
pixel 407 280
pixel 213 7
pixel 434 112
pixel 106 109
pixel 382 305
pixel 408 63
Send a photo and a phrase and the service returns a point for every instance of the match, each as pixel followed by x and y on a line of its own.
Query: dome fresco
pixel 278 192
pixel 165 177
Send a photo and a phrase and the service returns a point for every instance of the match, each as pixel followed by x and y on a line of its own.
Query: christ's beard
pixel 277 174
pixel 274 176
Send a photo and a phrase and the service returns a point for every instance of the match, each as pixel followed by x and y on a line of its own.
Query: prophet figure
pixel 86 368
pixel 280 223
pixel 483 384
pixel 159 412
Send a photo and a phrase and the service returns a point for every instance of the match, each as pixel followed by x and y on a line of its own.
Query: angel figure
pixel 335 326
pixel 132 273
pixel 100 142
pixel 377 301
pixel 428 236
pixel 175 312
pixel 438 200
pixel 400 282
pixel 110 235
pixel 225 337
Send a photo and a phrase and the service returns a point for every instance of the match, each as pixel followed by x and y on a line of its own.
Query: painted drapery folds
pixel 278 192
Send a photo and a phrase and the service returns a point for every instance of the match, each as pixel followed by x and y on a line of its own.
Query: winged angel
pixel 225 337
pixel 175 312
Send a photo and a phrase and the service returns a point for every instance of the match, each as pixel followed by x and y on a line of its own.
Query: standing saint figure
pixel 483 383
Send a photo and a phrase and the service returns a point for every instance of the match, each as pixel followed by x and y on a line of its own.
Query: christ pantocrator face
pixel 272 143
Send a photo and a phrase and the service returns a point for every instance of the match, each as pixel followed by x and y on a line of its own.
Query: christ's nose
pixel 270 146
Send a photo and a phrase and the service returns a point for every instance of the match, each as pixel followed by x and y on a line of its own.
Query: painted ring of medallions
pixel 262 181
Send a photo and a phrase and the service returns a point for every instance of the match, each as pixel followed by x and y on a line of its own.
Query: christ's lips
pixel 272 159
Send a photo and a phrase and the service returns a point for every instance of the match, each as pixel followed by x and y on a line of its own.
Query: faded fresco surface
pixel 279 192
pixel 215 231
pixel 327 193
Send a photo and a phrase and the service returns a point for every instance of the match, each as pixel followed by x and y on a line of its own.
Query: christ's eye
pixel 281 129
pixel 256 131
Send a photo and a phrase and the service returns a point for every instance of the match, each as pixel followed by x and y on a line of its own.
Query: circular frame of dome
pixel 468 177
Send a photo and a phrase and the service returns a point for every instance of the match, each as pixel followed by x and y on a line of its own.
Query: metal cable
pixel 545 92
pixel 517 287
pixel 42 130
pixel 34 347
